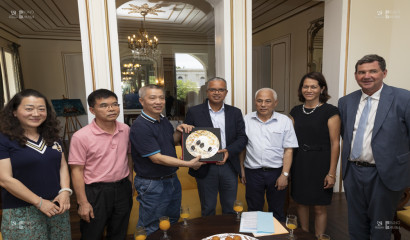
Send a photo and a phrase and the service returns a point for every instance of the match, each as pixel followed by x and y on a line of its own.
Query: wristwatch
pixel 285 174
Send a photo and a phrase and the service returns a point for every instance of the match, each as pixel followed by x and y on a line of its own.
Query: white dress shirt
pixel 267 140
pixel 218 121
pixel 367 153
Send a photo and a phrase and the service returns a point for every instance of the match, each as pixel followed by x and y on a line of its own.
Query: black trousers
pixel 259 183
pixel 112 203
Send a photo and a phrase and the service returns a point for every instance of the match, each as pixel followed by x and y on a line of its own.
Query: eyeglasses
pixel 214 90
pixel 106 106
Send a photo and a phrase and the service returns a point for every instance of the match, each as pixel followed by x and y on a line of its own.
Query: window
pixel 191 89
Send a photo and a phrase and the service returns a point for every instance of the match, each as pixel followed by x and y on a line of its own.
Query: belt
pixel 109 183
pixel 363 164
pixel 158 178
pixel 306 147
pixel 265 169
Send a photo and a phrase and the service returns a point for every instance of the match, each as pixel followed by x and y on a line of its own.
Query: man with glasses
pixel 221 177
pixel 101 170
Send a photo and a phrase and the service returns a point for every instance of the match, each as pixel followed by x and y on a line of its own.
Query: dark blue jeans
pixel 157 198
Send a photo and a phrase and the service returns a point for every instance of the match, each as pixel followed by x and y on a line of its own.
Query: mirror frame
pixel 314 28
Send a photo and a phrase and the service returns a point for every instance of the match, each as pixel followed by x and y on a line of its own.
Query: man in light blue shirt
pixel 218 121
pixel 265 166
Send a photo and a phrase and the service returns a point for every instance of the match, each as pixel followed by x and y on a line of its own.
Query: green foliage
pixel 183 87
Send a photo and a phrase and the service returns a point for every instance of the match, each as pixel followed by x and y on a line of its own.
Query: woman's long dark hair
pixel 10 125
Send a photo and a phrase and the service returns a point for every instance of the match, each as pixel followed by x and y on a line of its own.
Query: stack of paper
pixel 257 222
pixel 260 224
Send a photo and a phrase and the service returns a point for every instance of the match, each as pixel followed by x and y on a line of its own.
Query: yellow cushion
pixel 407 207
pixel 187 181
pixel 404 216
pixel 1 238
pixel 132 224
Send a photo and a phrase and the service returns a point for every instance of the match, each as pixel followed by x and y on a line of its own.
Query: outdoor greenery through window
pixel 191 79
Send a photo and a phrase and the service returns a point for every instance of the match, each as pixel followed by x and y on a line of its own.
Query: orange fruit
pixel 216 238
pixel 228 238
pixel 236 237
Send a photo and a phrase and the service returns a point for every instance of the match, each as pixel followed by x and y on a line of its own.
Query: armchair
pixel 402 215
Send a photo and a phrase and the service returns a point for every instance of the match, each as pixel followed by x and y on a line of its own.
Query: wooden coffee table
pixel 203 227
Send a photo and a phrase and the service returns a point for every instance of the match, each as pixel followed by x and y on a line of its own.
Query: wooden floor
pixel 336 227
pixel 337 217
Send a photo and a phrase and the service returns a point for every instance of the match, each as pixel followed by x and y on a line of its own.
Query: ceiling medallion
pixel 144 9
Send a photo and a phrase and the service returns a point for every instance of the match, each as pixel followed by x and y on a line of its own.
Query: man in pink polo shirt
pixel 101 171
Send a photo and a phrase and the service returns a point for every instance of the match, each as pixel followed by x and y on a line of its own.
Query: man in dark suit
pixel 221 177
pixel 376 150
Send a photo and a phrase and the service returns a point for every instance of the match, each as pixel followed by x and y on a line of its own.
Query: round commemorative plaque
pixel 202 142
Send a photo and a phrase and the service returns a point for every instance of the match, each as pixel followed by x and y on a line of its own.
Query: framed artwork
pixel 68 107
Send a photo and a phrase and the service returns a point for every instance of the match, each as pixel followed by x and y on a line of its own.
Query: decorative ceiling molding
pixel 40 19
pixel 189 21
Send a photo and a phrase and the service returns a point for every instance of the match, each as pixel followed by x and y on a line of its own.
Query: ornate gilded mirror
pixel 315 46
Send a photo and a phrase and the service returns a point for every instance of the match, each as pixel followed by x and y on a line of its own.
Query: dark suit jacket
pixel 390 139
pixel 236 138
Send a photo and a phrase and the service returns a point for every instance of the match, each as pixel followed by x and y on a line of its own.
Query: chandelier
pixel 141 45
pixel 129 70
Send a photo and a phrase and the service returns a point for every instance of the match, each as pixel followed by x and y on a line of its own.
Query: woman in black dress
pixel 317 127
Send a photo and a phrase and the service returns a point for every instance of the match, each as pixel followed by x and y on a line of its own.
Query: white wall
pixel 380 27
pixel 42 63
pixel 296 27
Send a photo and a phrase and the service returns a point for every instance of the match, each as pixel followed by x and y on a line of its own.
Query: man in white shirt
pixel 266 166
